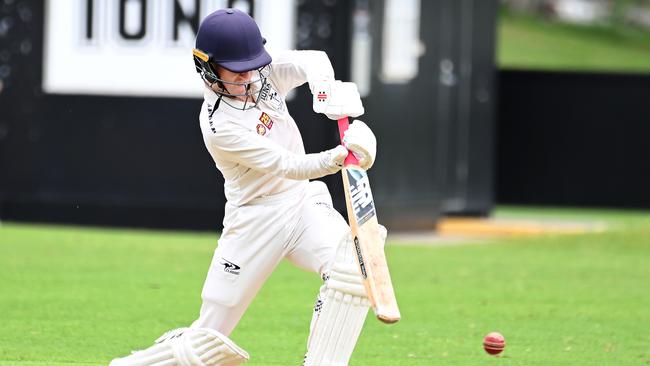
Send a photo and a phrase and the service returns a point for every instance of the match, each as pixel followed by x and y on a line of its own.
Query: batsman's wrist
pixel 334 158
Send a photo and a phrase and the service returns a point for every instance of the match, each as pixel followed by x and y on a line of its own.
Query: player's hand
pixel 336 99
pixel 362 142
pixel 336 157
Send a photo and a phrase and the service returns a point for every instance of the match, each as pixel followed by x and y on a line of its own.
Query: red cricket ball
pixel 494 343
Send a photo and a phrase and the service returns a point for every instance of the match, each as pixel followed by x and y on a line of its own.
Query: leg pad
pixel 340 312
pixel 187 347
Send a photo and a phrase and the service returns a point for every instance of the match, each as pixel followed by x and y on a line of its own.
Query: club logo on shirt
pixel 230 267
pixel 271 96
pixel 261 130
pixel 266 120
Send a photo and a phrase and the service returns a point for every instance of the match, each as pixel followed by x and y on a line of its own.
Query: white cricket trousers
pixel 304 228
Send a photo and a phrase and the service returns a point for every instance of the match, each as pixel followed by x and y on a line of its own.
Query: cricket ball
pixel 494 343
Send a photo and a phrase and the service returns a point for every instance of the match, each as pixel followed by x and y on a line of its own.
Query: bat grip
pixel 343 126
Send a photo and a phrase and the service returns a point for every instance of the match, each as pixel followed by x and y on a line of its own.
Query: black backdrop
pixel 574 139
pixel 119 160
pixel 562 138
pixel 141 161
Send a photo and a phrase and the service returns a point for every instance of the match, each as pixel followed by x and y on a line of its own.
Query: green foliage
pixel 82 296
pixel 526 42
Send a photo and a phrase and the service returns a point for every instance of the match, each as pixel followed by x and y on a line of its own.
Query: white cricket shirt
pixel 259 151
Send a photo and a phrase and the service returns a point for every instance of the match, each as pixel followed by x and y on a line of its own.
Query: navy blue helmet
pixel 231 39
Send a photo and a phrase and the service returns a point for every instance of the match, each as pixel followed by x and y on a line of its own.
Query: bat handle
pixel 343 126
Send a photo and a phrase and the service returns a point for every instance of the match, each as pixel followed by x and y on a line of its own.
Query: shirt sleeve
pixel 291 69
pixel 235 143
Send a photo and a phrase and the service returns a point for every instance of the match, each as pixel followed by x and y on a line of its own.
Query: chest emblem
pixel 266 120
pixel 261 130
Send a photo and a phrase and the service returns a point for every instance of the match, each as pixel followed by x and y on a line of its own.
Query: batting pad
pixel 187 347
pixel 339 314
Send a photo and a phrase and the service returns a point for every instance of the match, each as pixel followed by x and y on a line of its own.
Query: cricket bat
pixel 367 241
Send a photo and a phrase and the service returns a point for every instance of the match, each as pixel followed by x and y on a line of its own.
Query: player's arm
pixel 294 68
pixel 238 144
pixel 332 97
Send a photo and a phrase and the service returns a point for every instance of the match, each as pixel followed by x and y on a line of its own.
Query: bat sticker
pixel 361 195
pixel 362 264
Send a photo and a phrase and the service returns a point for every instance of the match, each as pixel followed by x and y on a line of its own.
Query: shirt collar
pixel 211 97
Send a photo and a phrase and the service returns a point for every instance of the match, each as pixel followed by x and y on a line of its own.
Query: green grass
pixel 525 42
pixel 81 296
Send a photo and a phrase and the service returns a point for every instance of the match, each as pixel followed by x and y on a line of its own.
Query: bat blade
pixel 362 216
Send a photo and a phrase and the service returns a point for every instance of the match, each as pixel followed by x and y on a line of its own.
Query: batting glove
pixel 335 158
pixel 336 99
pixel 362 142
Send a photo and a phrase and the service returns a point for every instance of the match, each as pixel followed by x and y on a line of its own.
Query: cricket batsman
pixel 272 211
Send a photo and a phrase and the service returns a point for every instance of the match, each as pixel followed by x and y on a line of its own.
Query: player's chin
pixel 237 91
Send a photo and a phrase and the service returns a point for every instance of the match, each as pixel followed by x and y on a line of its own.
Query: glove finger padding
pixel 337 99
pixel 360 139
pixel 336 157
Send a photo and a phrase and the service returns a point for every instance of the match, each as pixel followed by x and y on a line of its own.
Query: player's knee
pixel 342 240
pixel 344 274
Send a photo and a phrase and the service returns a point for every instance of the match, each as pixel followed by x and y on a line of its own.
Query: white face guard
pixel 253 88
